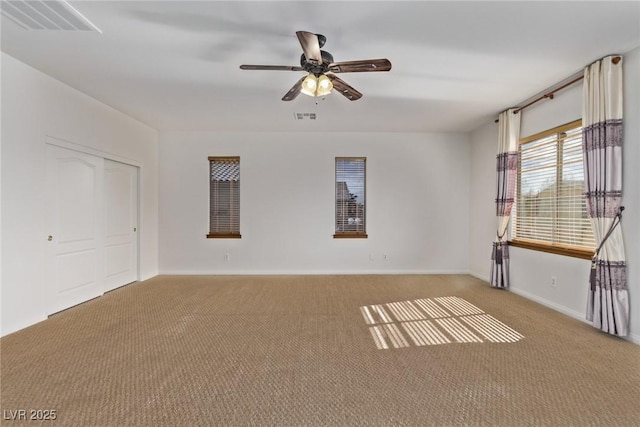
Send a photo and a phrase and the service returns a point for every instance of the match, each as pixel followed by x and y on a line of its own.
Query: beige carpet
pixel 300 351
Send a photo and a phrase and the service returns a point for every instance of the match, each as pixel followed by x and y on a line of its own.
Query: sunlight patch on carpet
pixel 433 321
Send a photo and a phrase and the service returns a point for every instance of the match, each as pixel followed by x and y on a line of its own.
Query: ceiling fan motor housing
pixel 317 69
pixel 321 40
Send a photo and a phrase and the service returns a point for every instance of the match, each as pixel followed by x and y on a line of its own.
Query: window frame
pixel 338 234
pixel 229 234
pixel 565 249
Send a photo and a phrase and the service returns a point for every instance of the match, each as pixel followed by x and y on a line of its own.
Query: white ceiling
pixel 174 64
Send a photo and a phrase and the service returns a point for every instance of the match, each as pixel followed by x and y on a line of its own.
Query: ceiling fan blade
pixel 363 65
pixel 310 46
pixel 294 91
pixel 271 67
pixel 344 88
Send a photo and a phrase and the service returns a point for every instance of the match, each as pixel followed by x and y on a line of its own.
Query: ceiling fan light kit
pixel 321 69
pixel 309 85
pixel 324 86
pixel 317 86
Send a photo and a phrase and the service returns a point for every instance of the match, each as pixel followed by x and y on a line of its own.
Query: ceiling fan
pixel 321 78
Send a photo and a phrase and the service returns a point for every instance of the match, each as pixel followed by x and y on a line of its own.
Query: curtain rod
pixel 551 91
pixel 550 94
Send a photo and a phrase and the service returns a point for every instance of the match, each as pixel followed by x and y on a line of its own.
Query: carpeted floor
pixel 317 351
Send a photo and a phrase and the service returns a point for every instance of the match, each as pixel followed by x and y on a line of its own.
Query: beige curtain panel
pixel 506 174
pixel 608 301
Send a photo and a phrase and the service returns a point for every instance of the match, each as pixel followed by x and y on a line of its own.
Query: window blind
pixel 224 197
pixel 350 197
pixel 550 204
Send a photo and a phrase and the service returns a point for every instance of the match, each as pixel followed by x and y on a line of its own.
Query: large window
pixel 350 197
pixel 550 210
pixel 224 197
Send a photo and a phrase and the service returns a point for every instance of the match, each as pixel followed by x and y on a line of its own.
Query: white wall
pixel 417 203
pixel 34 107
pixel 631 183
pixel 482 230
pixel 531 271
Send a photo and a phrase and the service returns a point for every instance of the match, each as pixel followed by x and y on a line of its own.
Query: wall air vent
pixel 305 116
pixel 46 15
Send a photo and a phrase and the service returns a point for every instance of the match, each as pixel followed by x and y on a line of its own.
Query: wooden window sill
pixel 566 250
pixel 350 236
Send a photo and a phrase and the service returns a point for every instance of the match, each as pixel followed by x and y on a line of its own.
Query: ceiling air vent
pixel 305 116
pixel 46 15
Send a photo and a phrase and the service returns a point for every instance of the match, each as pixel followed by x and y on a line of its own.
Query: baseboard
pixel 479 276
pixel 557 307
pixel 7 330
pixel 634 338
pixel 306 272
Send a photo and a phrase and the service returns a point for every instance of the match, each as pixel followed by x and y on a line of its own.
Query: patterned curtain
pixel 608 302
pixel 506 173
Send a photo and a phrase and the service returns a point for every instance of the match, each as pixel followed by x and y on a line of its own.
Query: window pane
pixel 550 204
pixel 224 199
pixel 350 195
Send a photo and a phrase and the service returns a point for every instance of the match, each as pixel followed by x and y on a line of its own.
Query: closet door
pixel 120 224
pixel 74 218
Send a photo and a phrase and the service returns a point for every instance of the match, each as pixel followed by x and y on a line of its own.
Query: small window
pixel 550 209
pixel 350 197
pixel 224 197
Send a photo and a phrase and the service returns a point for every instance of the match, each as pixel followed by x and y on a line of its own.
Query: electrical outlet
pixel 553 281
pixel 226 256
pixel 370 257
pixel 385 256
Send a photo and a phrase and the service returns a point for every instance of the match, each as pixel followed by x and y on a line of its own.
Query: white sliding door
pixel 74 217
pixel 120 224
pixel 91 217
